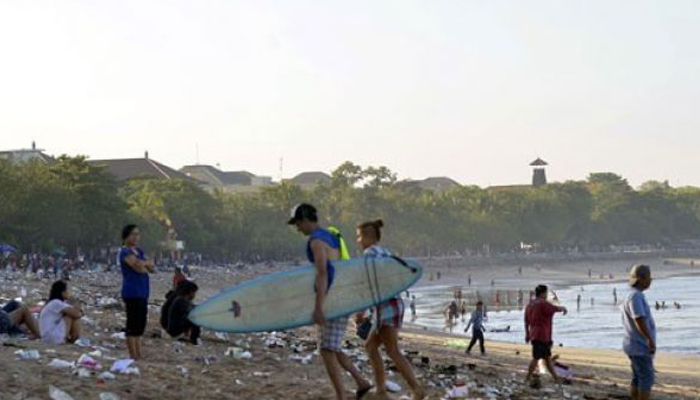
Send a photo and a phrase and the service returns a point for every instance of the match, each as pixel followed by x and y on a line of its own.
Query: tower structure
pixel 539 176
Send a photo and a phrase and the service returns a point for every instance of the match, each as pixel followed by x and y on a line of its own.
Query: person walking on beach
pixel 387 318
pixel 414 316
pixel 640 333
pixel 135 288
pixel 477 324
pixel 614 296
pixel 538 330
pixel 322 249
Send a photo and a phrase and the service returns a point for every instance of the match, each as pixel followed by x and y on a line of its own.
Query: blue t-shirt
pixel 135 285
pixel 328 238
pixel 636 306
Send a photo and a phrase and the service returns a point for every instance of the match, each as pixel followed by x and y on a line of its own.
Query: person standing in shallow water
pixel 640 333
pixel 322 249
pixel 387 319
pixel 135 288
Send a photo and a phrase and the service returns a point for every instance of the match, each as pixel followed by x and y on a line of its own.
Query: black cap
pixel 303 211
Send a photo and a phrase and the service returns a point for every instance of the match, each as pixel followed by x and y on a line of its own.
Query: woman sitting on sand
pixel 387 319
pixel 60 321
pixel 174 314
pixel 13 316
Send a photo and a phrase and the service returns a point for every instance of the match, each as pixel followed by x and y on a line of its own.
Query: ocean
pixel 597 325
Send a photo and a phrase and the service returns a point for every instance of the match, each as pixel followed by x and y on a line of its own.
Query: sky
pixel 474 90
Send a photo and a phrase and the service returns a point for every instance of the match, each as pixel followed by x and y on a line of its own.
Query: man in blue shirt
pixel 640 333
pixel 322 249
pixel 135 288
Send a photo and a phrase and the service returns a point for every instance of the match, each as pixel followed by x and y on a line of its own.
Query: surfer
pixel 322 249
pixel 135 288
pixel 387 319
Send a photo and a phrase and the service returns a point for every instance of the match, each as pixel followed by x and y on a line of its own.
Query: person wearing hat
pixel 322 249
pixel 640 333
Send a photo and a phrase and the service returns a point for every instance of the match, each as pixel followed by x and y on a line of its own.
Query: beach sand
pixel 173 370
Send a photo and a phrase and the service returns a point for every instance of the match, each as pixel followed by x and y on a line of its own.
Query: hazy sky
pixel 469 89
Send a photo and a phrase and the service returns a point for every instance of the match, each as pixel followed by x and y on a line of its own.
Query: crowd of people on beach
pixel 59 320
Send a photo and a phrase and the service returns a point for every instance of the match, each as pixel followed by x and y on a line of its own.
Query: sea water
pixel 597 325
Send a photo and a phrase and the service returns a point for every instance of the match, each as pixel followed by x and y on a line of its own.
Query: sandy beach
pixel 284 366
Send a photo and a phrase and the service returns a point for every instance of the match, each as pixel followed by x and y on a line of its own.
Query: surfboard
pixel 285 300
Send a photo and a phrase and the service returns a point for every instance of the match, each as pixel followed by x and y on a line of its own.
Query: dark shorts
pixel 541 350
pixel 136 316
pixel 642 372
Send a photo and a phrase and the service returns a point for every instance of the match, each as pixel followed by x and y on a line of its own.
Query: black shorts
pixel 136 316
pixel 541 350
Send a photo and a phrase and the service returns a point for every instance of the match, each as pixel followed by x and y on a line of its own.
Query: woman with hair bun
pixel 386 318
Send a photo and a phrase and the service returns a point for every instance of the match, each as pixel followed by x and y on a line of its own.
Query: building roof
pixel 23 155
pixel 128 168
pixel 538 163
pixel 438 183
pixel 243 178
pixel 311 178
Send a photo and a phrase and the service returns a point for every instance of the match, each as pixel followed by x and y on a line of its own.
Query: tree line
pixel 71 204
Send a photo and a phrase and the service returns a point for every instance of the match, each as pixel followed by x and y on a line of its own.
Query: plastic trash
pixel 95 354
pixel 58 394
pixel 238 353
pixel 121 365
pixel 119 335
pixel 88 362
pixel 28 354
pixel 83 373
pixel 304 360
pixel 108 396
pixel 58 363
pixel 107 376
pixel 82 342
pixel 393 387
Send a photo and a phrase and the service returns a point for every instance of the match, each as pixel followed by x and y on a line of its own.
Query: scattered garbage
pixel 393 387
pixel 83 373
pixel 304 360
pixel 82 342
pixel 28 354
pixel 108 396
pixel 238 353
pixel 58 394
pixel 119 335
pixel 125 367
pixel 88 362
pixel 107 376
pixel 58 363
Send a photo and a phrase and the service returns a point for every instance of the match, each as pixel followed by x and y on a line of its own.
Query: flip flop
pixel 362 392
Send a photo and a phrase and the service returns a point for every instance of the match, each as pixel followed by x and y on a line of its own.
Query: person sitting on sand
pixel 387 319
pixel 60 321
pixel 640 333
pixel 322 249
pixel 538 330
pixel 174 313
pixel 14 316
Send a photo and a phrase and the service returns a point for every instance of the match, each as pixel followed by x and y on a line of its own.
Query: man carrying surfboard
pixel 322 249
